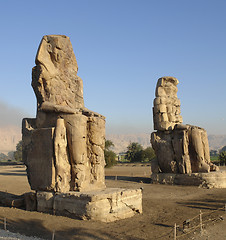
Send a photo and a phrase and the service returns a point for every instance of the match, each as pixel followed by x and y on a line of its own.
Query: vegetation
pixel 214 159
pixel 3 157
pixel 136 153
pixel 7 158
pixel 222 158
pixel 18 152
pixel 213 153
pixel 11 155
pixel 218 157
pixel 149 154
pixel 110 156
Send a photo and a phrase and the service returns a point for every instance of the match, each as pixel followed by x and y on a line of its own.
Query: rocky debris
pixel 27 200
pixel 179 148
pixel 12 200
pixel 63 147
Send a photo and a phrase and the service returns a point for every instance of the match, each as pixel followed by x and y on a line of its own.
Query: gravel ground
pixel 163 206
pixel 15 236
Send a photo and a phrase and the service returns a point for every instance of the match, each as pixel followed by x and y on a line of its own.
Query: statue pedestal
pixel 106 205
pixel 206 180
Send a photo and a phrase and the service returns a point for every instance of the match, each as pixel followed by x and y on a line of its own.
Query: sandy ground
pixel 163 206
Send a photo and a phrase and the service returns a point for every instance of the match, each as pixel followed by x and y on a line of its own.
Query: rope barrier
pixel 194 217
pixel 193 228
pixel 189 230
pixel 184 234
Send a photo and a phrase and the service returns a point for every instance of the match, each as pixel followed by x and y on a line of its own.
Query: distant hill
pixel 217 141
pixel 9 137
pixel 121 141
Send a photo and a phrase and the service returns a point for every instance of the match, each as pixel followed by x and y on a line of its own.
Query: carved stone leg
pixel 198 162
pixel 62 164
pixel 76 125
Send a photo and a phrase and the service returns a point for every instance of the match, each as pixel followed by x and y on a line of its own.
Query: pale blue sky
pixel 122 47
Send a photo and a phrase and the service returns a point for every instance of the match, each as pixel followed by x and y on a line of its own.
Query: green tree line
pixel 135 153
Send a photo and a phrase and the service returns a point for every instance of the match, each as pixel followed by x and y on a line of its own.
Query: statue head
pixel 54 78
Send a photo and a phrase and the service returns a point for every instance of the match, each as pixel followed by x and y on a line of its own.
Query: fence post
pixel 175 231
pixel 201 228
pixel 5 223
pixel 53 235
pixel 116 178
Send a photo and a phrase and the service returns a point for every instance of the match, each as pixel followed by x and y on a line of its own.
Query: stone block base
pixel 206 180
pixel 104 205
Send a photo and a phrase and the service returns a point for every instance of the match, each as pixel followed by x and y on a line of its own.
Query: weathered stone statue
pixel 179 148
pixel 63 148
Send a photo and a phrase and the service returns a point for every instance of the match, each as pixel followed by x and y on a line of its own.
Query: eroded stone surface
pixel 63 147
pixel 179 148
pixel 104 205
pixel 166 110
pixel 40 158
pixel 54 78
pixel 205 180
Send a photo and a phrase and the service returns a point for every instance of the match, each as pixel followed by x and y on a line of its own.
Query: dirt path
pixel 163 206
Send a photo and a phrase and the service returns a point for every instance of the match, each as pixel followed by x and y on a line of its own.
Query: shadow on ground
pixel 130 179
pixel 14 173
pixel 206 204
pixel 34 227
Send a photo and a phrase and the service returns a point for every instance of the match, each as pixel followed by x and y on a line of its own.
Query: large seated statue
pixel 179 148
pixel 63 147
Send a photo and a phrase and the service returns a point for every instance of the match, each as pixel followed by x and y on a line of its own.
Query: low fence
pixel 182 231
pixel 197 223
